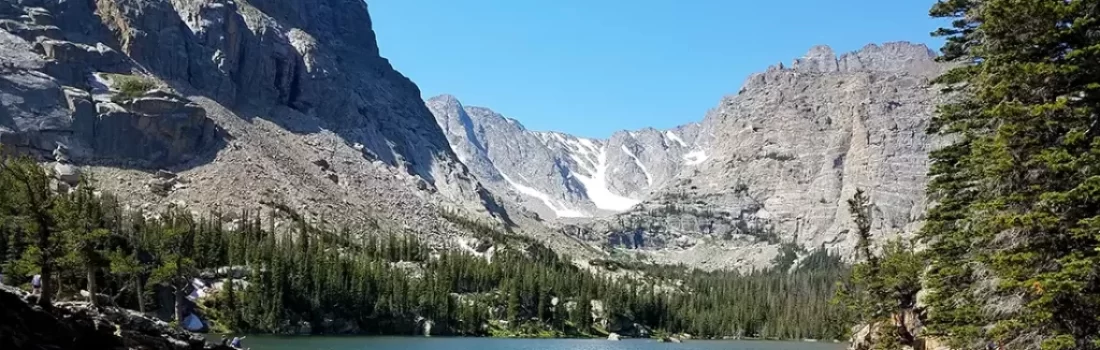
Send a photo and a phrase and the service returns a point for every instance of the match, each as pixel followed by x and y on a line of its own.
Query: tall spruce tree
pixel 29 203
pixel 1013 236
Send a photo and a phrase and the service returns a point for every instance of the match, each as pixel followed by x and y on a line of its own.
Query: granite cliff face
pixel 771 165
pixel 559 175
pixel 242 102
pixel 798 142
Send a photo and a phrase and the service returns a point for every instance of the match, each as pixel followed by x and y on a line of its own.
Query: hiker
pixel 36 284
pixel 236 342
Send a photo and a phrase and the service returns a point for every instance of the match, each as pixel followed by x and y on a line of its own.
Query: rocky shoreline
pixel 77 325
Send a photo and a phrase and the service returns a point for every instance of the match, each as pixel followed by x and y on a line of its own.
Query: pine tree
pixel 82 223
pixel 175 241
pixel 1016 194
pixel 29 200
pixel 582 315
pixel 127 265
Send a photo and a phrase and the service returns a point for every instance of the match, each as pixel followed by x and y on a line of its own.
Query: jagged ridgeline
pixel 275 272
pixel 772 162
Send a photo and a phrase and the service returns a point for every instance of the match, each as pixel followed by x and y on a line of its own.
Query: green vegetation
pixel 1012 240
pixel 130 87
pixel 379 281
pixel 882 286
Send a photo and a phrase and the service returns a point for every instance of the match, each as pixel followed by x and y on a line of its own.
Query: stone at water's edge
pixel 78 326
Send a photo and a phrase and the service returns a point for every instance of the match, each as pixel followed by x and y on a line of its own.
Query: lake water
pixel 410 343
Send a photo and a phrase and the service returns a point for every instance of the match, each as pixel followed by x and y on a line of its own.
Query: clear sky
pixel 591 67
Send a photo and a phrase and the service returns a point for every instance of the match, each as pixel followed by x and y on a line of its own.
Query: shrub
pixel 130 87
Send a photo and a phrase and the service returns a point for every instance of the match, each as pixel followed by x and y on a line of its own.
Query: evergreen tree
pixel 175 241
pixel 29 202
pixel 82 223
pixel 1012 239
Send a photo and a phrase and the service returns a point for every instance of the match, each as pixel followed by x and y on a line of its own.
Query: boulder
pixel 162 186
pixel 861 337
pixel 613 337
pixel 67 173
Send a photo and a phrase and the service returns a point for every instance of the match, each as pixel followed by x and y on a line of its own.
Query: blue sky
pixel 591 67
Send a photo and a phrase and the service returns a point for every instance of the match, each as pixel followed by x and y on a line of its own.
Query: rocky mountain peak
pixel 246 101
pixel 890 58
pixel 560 175
pixel 899 56
pixel 444 99
pixel 896 56
pixel 820 59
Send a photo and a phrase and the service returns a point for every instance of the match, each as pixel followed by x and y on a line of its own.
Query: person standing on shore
pixel 36 284
pixel 236 342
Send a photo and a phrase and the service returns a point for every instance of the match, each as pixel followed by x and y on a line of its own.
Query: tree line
pixel 379 281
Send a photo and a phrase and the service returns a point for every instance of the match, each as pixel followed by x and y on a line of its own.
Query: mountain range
pixel 232 106
pixel 773 163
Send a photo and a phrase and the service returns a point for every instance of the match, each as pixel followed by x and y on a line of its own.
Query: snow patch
pixel 591 146
pixel 599 193
pixel 648 177
pixel 583 152
pixel 672 136
pixel 695 157
pixel 560 210
pixel 583 163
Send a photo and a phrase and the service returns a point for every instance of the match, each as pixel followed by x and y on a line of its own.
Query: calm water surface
pixel 409 343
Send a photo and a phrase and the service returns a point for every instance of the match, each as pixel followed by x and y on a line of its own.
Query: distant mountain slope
pixel 773 163
pixel 560 175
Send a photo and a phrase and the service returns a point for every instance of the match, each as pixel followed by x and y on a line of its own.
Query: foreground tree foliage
pixel 1014 237
pixel 883 285
pixel 377 281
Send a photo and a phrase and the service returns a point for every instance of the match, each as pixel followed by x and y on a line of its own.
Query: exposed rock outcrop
pixel 774 163
pixel 42 113
pixel 796 143
pixel 238 97
pixel 80 326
